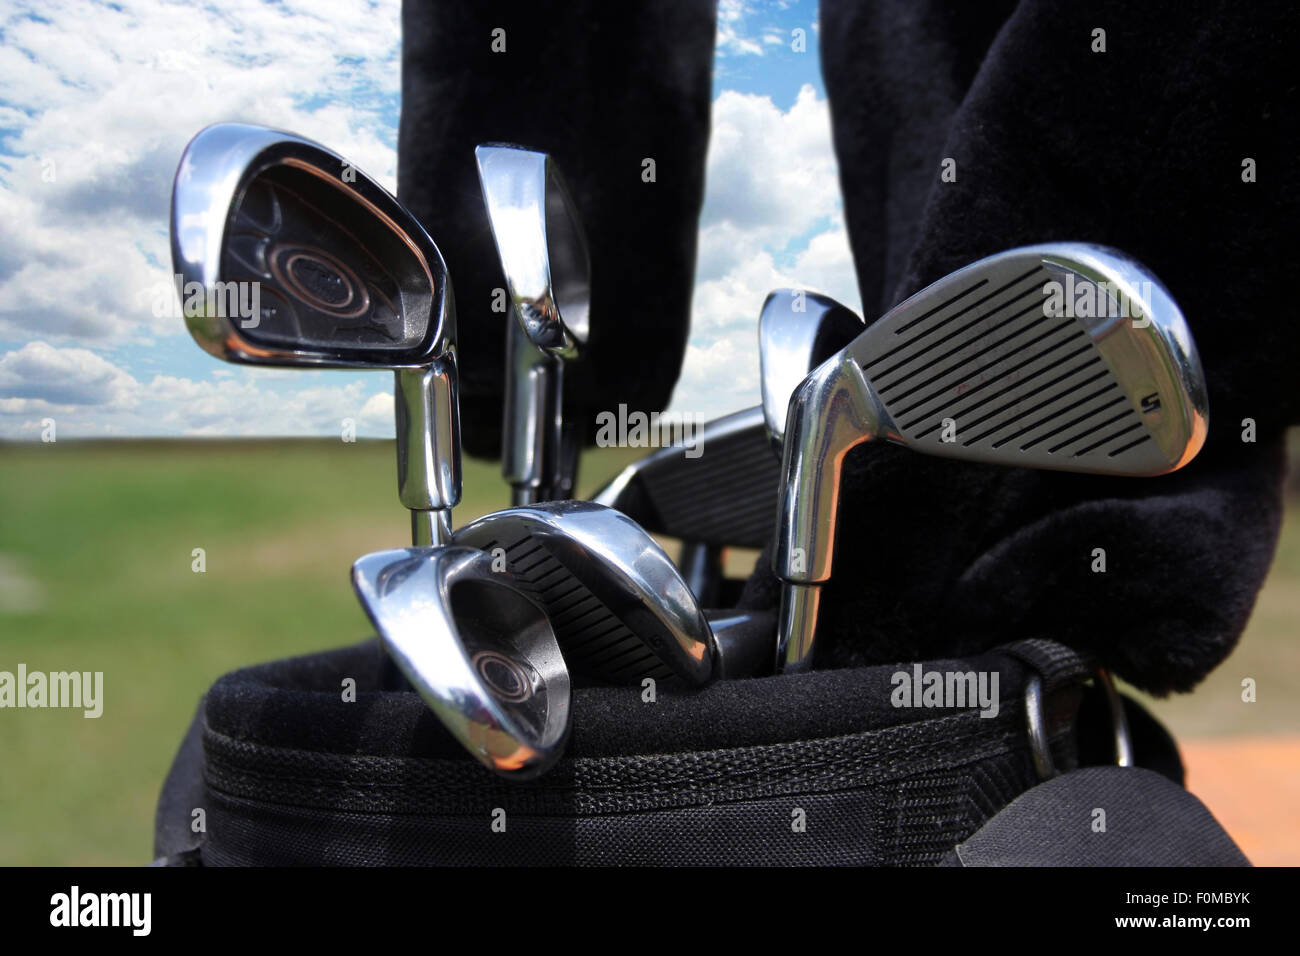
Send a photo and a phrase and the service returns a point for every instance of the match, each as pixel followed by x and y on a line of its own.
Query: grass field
pixel 96 543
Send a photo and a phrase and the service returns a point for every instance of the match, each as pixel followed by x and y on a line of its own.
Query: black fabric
pixel 297 703
pixel 294 775
pixel 1148 821
pixel 1140 148
pixel 182 793
pixel 601 87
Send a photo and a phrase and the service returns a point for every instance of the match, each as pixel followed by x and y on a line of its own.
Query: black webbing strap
pixel 1055 663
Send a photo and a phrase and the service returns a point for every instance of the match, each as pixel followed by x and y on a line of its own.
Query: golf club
pixel 1061 356
pixel 620 609
pixel 476 647
pixel 544 258
pixel 723 497
pixel 338 274
pixel 797 330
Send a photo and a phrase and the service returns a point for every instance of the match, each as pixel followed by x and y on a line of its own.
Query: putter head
pixel 619 606
pixel 288 255
pixel 347 278
pixel 1061 356
pixel 479 651
pixel 797 330
pixel 541 243
pixel 722 496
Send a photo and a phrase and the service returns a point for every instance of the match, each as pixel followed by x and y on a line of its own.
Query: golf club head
pixel 476 647
pixel 547 269
pixel 541 244
pixel 718 490
pixel 289 256
pixel 721 497
pixel 1061 356
pixel 619 607
pixel 797 330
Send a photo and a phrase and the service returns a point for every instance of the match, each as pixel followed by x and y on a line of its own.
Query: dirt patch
pixel 1252 785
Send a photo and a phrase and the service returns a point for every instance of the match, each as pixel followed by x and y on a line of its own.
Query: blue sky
pixel 97 101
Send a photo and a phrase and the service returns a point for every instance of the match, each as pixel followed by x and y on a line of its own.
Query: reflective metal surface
pixel 990 365
pixel 722 497
pixel 547 269
pixel 1118 720
pixel 477 649
pixel 1040 748
pixel 1036 725
pixel 620 609
pixel 342 276
pixel 797 330
pixel 529 422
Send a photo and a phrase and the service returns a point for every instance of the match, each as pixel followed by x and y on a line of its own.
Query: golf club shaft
pixel 428 448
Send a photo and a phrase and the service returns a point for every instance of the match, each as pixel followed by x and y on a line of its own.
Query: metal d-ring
pixel 1039 748
pixel 1036 724
pixel 1118 720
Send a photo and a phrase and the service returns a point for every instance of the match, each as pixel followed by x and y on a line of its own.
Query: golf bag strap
pixel 1055 663
pixel 1101 816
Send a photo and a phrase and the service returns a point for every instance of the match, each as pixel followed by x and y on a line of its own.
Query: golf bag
pixel 283 766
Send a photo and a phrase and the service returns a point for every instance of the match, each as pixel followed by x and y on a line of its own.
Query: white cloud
pixel 771 218
pixel 377 412
pixel 98 100
pixel 771 177
pixel 87 395
pixel 108 97
pixel 50 377
pixel 732 38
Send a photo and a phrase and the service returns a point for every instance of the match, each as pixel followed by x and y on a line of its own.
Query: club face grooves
pixel 619 607
pixel 993 374
pixel 591 637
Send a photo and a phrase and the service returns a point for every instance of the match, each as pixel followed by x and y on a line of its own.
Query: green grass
pixel 96 542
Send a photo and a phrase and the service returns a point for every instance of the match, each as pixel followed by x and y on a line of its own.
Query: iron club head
pixel 620 609
pixel 723 495
pixel 476 647
pixel 288 255
pixel 544 258
pixel 797 330
pixel 1061 356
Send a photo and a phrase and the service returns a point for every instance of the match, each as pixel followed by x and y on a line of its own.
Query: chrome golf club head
pixel 723 497
pixel 547 269
pixel 476 647
pixel 620 609
pixel 289 256
pixel 714 493
pixel 1061 356
pixel 797 330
